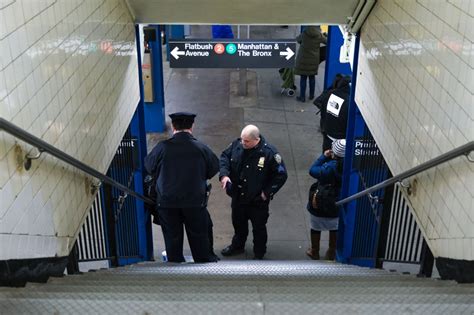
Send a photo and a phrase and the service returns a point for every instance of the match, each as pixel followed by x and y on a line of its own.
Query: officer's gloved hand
pixel 228 188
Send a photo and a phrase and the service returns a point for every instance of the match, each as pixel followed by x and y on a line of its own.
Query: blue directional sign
pixel 232 54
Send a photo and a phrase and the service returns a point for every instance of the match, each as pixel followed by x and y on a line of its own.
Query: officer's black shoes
pixel 231 251
pixel 258 257
pixel 214 258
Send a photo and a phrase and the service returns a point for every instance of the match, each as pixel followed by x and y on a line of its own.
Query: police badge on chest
pixel 261 162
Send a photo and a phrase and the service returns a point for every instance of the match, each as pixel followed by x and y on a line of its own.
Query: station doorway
pixel 291 126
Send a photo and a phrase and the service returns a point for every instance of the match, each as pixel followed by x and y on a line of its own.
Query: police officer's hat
pixel 182 117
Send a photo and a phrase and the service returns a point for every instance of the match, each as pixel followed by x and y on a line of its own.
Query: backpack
pixel 322 200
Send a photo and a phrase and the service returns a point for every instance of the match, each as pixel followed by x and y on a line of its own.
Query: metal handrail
pixel 462 150
pixel 43 146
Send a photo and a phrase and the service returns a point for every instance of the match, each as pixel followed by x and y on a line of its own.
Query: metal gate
pixel 123 224
pixel 110 231
pixel 384 227
pixel 91 241
pixel 404 238
pixel 372 169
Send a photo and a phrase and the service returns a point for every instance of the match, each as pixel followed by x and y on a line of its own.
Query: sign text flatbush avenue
pixel 232 54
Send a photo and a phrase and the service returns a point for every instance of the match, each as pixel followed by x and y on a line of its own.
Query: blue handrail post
pixel 350 177
pixel 333 49
pixel 137 128
pixel 350 185
pixel 173 32
pixel 154 108
pixel 334 66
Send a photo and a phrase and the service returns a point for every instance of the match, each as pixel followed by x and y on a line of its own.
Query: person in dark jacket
pixel 308 59
pixel 327 169
pixel 222 31
pixel 182 165
pixel 251 171
pixel 334 109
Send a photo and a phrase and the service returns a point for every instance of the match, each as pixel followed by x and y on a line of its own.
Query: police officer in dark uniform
pixel 251 171
pixel 182 165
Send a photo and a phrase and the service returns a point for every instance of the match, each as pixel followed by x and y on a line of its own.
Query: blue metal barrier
pixel 333 65
pixel 155 109
pixel 122 169
pixel 364 166
pixel 173 32
pixel 145 239
pixel 371 169
pixel 118 228
pixel 354 127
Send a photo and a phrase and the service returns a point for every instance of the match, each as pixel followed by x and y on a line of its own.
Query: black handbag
pixel 322 200
pixel 149 184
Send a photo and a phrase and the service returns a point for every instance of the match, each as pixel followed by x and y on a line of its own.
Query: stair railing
pixel 382 209
pixel 43 146
pixel 465 150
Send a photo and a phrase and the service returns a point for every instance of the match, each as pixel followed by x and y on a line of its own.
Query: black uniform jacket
pixel 259 169
pixel 181 166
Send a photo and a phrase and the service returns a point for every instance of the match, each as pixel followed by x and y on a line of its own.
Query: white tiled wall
pixel 68 74
pixel 415 90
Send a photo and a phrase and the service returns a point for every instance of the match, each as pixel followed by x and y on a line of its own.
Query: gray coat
pixel 307 59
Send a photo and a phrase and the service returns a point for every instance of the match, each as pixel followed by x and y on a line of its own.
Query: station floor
pixel 291 126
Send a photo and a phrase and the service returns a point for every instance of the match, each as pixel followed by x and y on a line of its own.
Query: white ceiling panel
pixel 265 12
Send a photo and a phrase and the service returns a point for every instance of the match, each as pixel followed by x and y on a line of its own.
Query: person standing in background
pixel 307 59
pixel 334 111
pixel 327 169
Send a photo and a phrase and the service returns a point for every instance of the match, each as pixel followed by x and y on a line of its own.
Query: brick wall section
pixel 415 90
pixel 68 74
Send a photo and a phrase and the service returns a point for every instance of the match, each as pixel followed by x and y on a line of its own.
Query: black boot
pixel 313 251
pixel 331 253
pixel 231 251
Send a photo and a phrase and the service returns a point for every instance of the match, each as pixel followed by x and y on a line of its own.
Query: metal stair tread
pixel 205 288
pixel 208 307
pixel 240 287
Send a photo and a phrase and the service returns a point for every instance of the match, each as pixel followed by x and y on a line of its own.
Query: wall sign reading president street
pixel 232 54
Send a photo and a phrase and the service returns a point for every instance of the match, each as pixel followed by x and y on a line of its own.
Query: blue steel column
pixel 137 128
pixel 334 66
pixel 350 177
pixel 155 111
pixel 173 32
pixel 333 48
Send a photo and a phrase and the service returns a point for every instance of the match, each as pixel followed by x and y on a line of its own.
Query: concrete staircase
pixel 243 287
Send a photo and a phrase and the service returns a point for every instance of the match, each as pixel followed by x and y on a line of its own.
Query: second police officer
pixel 251 171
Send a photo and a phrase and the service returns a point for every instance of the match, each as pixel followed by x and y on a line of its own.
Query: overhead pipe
pixel 360 18
pixel 356 13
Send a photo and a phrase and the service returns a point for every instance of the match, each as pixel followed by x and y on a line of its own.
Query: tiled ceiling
pixel 265 12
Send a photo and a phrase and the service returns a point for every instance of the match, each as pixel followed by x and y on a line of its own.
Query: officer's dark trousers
pixel 196 223
pixel 258 215
pixel 210 235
